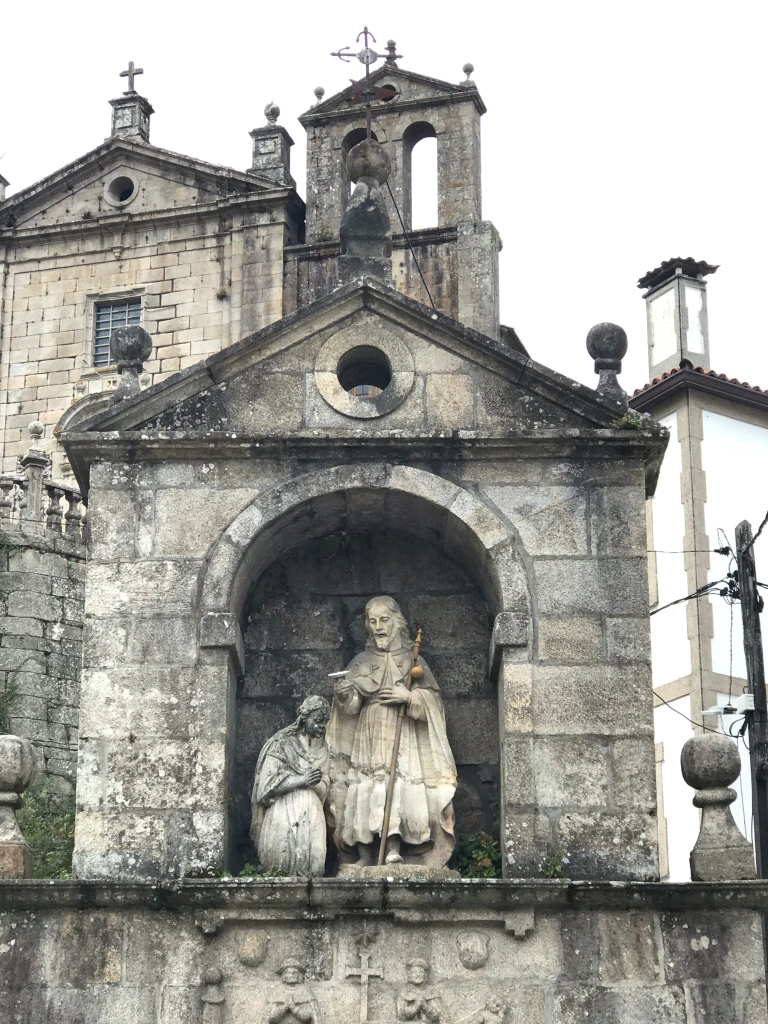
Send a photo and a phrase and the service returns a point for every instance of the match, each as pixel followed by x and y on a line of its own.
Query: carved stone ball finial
pixel 129 349
pixel 18 770
pixel 368 160
pixel 710 763
pixel 319 93
pixel 36 431
pixel 272 112
pixel 468 69
pixel 607 344
pixel 365 231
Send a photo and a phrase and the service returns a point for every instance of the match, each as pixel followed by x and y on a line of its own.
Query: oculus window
pixel 109 315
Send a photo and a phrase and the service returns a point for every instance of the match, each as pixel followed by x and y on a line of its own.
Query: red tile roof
pixel 705 373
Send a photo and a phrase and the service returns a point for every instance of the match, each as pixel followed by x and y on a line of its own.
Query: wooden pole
pixel 395 753
pixel 751 606
pixel 758 720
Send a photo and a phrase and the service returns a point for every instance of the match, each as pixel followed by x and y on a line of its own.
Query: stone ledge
pixel 38 536
pixel 286 897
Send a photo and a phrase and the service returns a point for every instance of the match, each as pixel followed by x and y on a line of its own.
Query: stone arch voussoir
pixel 314 503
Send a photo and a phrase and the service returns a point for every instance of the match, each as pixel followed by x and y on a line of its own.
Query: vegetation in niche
pixel 477 856
pixel 632 421
pixel 47 822
pixel 255 871
pixel 556 863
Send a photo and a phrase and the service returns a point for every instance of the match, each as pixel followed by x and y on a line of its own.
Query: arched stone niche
pixel 285 591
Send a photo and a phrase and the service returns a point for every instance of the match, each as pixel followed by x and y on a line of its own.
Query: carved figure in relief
pixel 212 996
pixel 418 1000
pixel 295 1004
pixel 473 950
pixel 492 1013
pixel 292 777
pixel 361 736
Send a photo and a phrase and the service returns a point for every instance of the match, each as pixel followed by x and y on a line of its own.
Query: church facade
pixel 332 438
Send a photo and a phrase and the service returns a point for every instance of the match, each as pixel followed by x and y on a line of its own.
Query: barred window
pixel 110 315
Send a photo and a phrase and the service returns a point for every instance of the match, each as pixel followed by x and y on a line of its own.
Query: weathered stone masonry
pixel 42 585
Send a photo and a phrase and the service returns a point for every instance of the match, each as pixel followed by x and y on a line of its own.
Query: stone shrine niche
pixel 303 618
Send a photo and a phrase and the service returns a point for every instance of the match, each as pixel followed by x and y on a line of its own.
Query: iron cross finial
pixel 364 91
pixel 130 74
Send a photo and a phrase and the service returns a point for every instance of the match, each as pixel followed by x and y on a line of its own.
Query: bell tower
pixel 452 264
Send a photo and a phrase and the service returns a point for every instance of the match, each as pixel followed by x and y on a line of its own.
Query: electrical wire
pixel 730 664
pixel 686 551
pixel 410 246
pixel 759 531
pixel 698 725
pixel 703 591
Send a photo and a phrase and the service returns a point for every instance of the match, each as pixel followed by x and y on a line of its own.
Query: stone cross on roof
pixel 130 74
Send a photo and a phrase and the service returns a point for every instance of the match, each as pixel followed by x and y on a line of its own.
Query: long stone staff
pixel 414 672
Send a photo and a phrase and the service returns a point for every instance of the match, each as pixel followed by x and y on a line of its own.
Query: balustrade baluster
pixel 73 517
pixel 7 485
pixel 53 514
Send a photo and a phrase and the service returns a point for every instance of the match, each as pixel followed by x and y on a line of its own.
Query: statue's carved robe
pixel 289 829
pixel 361 736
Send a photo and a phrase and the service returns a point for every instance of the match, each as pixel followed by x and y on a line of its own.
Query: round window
pixel 364 381
pixel 120 190
pixel 364 371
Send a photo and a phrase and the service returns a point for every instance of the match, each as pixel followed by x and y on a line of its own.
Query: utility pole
pixel 751 606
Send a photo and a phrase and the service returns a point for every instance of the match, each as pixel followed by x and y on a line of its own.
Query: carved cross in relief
pixel 364 972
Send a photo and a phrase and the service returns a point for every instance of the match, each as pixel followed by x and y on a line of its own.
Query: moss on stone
pixel 47 822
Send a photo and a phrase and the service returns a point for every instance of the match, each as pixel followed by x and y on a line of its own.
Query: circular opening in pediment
pixel 364 371
pixel 121 189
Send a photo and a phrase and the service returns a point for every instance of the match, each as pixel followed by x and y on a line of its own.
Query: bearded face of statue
pixel 382 625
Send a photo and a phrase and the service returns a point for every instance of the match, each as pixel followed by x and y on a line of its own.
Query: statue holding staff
pixel 361 738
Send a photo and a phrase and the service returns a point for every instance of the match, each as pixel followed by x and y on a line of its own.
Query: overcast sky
pixel 617 135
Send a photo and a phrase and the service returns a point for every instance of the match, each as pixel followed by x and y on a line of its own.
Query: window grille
pixel 110 315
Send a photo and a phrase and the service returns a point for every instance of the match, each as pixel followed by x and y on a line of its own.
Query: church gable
pixel 409 87
pixel 364 359
pixel 124 176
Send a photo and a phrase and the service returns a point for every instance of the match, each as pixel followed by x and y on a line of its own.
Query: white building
pixel 711 479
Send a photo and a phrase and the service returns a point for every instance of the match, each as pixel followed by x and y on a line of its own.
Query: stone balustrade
pixel 30 499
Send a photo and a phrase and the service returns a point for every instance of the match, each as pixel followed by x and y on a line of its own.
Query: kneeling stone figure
pixel 292 778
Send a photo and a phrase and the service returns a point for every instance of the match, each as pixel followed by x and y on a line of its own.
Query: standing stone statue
pixel 292 778
pixel 361 736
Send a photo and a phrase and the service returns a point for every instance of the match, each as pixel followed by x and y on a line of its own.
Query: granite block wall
pixel 213 955
pixel 42 583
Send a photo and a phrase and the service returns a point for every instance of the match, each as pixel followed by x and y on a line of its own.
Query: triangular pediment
pixel 446 377
pixel 411 89
pixel 84 190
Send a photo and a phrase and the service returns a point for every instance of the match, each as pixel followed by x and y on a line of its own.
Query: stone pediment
pixel 92 188
pixel 411 88
pixel 445 379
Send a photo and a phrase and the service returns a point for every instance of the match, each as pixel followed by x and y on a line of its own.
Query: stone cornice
pixel 468 899
pixel 334 446
pixel 277 198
